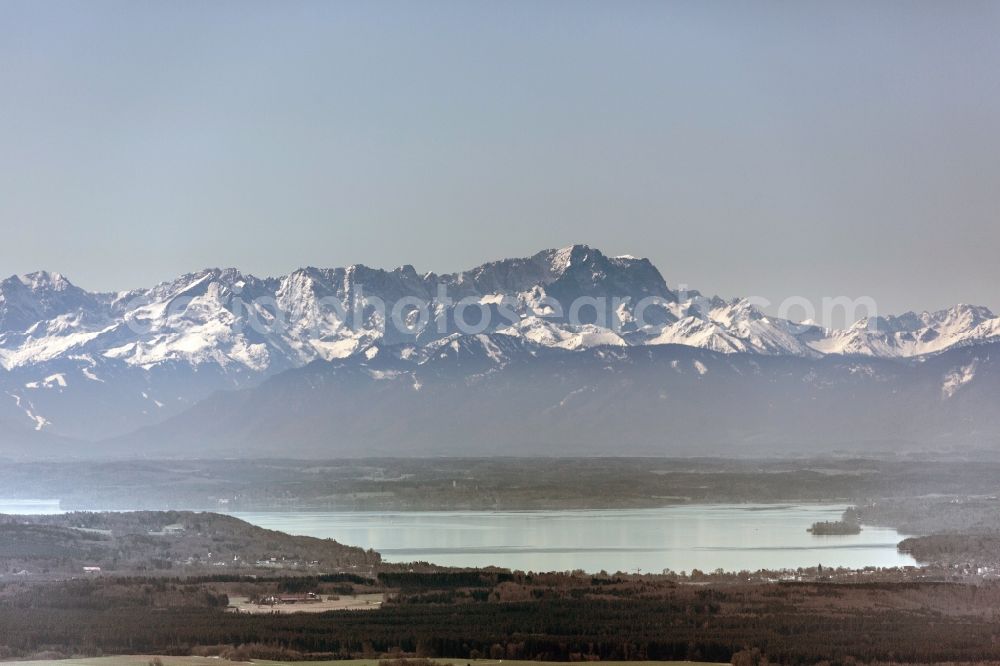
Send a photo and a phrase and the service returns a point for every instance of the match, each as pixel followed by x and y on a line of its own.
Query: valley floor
pixel 386 484
pixel 159 593
pixel 146 660
pixel 455 617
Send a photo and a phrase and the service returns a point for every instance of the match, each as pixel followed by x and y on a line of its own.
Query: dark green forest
pixel 550 617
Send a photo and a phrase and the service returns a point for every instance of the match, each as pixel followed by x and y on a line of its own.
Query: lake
pixel 681 538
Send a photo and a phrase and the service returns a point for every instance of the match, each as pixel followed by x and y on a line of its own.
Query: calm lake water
pixel 681 538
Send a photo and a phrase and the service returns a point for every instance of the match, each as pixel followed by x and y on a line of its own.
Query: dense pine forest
pixel 514 616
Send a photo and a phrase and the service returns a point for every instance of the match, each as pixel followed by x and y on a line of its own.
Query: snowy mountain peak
pixel 913 334
pixel 159 349
pixel 41 296
pixel 44 280
pixel 238 323
pixel 961 315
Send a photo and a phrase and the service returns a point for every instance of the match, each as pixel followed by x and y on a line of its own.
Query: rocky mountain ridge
pixel 82 365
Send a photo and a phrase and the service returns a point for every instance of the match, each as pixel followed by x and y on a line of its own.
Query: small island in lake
pixel 834 527
pixel 848 524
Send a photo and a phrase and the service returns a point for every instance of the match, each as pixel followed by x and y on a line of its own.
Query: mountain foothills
pixel 569 351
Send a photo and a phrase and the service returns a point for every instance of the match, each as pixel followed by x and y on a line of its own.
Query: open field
pixel 144 660
pixel 131 660
pixel 350 602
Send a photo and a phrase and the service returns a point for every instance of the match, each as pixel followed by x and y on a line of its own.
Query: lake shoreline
pixel 705 536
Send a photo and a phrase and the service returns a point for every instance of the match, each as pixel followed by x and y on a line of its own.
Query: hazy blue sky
pixel 766 148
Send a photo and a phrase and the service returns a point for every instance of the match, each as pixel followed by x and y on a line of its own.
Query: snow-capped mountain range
pixel 85 365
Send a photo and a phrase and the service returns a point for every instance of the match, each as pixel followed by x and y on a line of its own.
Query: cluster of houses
pixel 275 599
